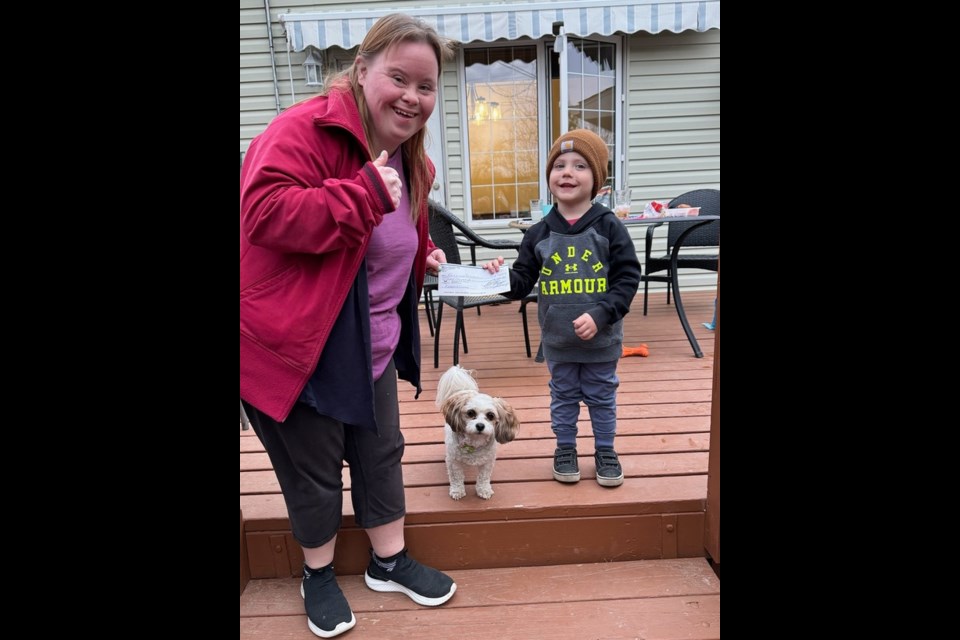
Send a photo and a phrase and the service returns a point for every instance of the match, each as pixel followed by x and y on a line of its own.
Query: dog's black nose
pixel 480 427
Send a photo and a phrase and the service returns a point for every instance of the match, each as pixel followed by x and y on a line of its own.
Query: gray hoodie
pixel 590 267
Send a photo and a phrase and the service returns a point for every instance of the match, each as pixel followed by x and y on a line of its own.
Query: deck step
pixel 524 524
pixel 677 598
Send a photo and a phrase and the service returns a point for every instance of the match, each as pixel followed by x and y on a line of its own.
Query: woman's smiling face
pixel 400 88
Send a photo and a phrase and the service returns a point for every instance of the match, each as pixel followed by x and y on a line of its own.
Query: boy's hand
pixel 585 327
pixel 494 265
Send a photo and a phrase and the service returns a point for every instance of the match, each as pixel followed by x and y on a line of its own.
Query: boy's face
pixel 571 179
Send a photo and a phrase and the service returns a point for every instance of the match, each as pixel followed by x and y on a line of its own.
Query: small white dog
pixel 475 423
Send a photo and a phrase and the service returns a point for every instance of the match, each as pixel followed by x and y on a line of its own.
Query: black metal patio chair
pixel 444 227
pixel 706 236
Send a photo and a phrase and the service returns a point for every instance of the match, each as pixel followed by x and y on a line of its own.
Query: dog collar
pixel 467 448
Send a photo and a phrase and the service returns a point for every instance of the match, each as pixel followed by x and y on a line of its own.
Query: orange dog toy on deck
pixel 642 351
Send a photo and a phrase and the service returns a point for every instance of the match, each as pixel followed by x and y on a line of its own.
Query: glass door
pixel 518 100
pixel 583 92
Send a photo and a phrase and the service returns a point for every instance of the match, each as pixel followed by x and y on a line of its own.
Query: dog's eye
pixel 491 416
pixel 471 413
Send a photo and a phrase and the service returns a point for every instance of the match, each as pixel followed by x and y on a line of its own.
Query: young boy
pixel 588 274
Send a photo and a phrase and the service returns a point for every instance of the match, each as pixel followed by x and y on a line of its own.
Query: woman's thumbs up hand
pixel 390 178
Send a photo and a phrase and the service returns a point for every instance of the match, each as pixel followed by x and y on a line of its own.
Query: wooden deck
pixel 513 550
pixel 642 599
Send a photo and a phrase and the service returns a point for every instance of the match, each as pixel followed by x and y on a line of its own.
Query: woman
pixel 333 252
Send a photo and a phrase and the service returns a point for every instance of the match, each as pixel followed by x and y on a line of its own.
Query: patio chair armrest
pixel 466 235
pixel 464 242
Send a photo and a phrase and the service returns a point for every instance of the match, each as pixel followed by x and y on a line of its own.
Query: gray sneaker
pixel 609 471
pixel 565 468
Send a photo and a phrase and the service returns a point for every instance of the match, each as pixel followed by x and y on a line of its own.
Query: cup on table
pixel 621 202
pixel 536 210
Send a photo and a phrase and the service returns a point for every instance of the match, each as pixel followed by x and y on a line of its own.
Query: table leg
pixel 675 285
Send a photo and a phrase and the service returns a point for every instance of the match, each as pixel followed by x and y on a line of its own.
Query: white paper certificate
pixel 467 280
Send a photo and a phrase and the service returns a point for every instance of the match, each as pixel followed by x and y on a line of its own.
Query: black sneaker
pixel 328 613
pixel 403 574
pixel 609 471
pixel 565 468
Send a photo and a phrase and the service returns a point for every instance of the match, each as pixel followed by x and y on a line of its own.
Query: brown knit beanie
pixel 590 146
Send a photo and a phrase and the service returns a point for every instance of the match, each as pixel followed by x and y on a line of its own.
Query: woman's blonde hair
pixel 386 32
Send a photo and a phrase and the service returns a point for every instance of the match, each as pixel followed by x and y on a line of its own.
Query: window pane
pixel 503 137
pixel 591 76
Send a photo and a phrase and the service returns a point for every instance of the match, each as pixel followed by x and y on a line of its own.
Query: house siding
pixel 673 125
pixel 673 113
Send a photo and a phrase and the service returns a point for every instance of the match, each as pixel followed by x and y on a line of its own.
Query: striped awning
pixel 489 22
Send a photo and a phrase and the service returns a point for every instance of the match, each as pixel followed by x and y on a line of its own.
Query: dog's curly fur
pixel 475 424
